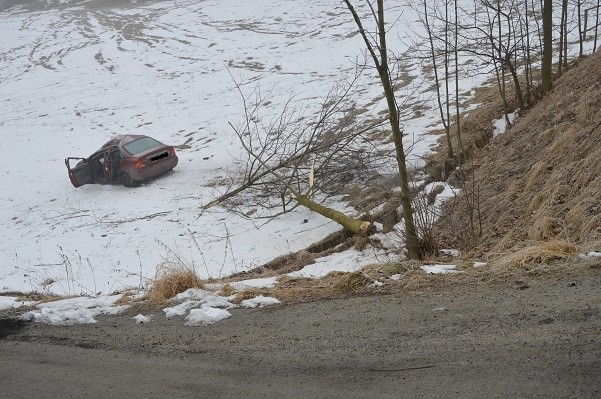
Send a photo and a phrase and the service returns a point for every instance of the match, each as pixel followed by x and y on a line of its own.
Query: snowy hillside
pixel 73 75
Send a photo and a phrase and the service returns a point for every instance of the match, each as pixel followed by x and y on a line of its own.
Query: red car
pixel 128 160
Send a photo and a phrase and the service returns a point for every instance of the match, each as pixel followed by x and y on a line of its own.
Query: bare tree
pixel 287 155
pixel 448 51
pixel 376 46
pixel 433 54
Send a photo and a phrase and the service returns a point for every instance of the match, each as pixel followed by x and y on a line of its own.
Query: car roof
pixel 121 140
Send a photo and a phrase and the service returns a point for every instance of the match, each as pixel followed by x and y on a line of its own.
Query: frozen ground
pixel 74 74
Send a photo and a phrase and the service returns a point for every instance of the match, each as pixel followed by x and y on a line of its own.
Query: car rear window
pixel 141 145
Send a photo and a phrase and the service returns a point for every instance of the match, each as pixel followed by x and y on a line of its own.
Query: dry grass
pixel 535 174
pixel 544 228
pixel 542 253
pixel 542 176
pixel 227 290
pixel 172 279
pixel 542 260
pixel 350 282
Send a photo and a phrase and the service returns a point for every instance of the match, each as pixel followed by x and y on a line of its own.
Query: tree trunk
pixel 355 226
pixel 516 83
pixel 546 73
pixel 596 26
pixel 457 110
pixel 562 25
pixel 411 239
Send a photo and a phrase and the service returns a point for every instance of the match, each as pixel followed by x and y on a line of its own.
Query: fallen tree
pixel 291 162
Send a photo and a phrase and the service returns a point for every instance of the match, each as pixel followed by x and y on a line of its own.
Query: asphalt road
pixel 487 342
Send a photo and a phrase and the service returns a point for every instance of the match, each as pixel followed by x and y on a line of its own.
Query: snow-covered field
pixel 73 77
pixel 74 74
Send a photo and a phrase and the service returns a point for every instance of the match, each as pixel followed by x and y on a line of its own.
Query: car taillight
pixel 139 164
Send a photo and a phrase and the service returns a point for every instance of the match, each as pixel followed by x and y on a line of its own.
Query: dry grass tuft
pixel 535 174
pixel 172 279
pixel 350 282
pixel 389 269
pixel 227 290
pixel 538 254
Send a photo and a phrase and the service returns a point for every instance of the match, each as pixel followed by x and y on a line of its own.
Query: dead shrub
pixel 424 217
pixel 537 254
pixel 172 279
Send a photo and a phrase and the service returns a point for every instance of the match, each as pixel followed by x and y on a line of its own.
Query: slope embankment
pixel 541 180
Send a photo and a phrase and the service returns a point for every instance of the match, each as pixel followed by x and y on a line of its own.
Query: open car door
pixel 81 173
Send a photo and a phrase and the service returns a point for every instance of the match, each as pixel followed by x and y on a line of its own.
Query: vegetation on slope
pixel 539 181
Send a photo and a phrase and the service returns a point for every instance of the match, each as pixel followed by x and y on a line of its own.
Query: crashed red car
pixel 128 160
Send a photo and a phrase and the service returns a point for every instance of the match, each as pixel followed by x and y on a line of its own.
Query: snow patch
pixel 590 254
pixel 205 316
pixel 142 319
pixel 500 125
pixel 244 285
pixel 81 310
pixel 181 309
pixel 10 302
pixel 439 269
pixel 260 301
pixel 347 261
pixel 452 252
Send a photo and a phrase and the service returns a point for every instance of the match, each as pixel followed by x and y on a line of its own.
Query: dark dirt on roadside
pixel 536 340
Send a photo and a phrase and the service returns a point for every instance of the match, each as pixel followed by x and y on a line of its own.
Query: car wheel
pixel 127 181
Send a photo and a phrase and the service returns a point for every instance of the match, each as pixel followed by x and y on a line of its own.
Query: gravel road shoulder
pixel 540 342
